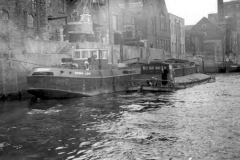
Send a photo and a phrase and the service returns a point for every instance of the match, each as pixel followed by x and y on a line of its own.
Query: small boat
pixel 232 68
pixel 86 74
pixel 228 67
pixel 168 76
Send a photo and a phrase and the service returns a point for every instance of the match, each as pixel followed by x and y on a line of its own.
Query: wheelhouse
pixel 156 68
pixel 97 58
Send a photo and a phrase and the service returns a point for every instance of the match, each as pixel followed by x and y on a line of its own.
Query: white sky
pixel 191 10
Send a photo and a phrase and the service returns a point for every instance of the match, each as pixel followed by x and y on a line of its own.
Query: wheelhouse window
pixel 103 54
pixel 84 55
pixel 76 55
pixel 90 53
pixel 151 67
pixel 94 54
pixel 145 68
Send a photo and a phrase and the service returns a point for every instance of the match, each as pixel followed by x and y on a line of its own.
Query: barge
pixel 86 73
pixel 168 76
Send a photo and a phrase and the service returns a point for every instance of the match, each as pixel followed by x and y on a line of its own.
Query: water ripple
pixel 198 123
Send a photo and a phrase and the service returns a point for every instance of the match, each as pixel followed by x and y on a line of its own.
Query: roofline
pixel 176 16
pixel 209 21
pixel 231 2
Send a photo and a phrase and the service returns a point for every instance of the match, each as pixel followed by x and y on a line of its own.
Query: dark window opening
pixel 43 74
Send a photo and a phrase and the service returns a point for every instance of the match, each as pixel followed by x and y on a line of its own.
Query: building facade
pixel 155 25
pixel 49 19
pixel 200 34
pixel 194 42
pixel 229 21
pixel 150 18
pixel 177 35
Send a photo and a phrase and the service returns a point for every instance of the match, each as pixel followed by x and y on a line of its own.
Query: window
pixel 162 22
pixel 103 54
pixel 76 54
pixel 30 21
pixel 173 28
pixel 158 42
pixel 126 19
pixel 48 3
pixel 153 26
pixel 4 15
pixel 34 4
pixel 94 54
pixel 86 18
pixel 151 67
pixel 145 68
pixel 84 54
pixel 62 6
pixel 180 30
pixel 115 22
pixel 104 16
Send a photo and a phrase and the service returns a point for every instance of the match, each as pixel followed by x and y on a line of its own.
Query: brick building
pixel 111 17
pixel 154 22
pixel 177 35
pixel 48 19
pixel 204 32
pixel 35 17
pixel 194 42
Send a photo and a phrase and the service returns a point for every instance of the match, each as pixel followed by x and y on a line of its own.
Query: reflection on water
pixel 202 122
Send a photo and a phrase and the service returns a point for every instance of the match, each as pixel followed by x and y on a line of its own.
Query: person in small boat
pixel 86 64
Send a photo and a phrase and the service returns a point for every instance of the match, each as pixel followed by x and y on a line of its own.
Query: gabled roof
pixel 188 27
pixel 208 20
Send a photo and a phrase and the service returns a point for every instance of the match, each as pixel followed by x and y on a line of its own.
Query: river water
pixel 198 123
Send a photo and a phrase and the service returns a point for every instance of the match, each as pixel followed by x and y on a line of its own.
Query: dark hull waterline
pixel 44 93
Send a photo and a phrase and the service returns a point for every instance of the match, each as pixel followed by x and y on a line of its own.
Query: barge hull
pixel 51 87
pixel 183 83
pixel 54 94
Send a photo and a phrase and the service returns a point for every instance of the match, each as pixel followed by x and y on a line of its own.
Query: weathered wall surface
pixel 206 63
pixel 16 64
pixel 44 47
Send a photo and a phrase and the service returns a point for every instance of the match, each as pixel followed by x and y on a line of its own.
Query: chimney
pixel 220 11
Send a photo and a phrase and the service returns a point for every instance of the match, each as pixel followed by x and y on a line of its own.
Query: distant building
pixel 194 42
pixel 231 8
pixel 213 17
pixel 210 30
pixel 229 21
pixel 177 35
